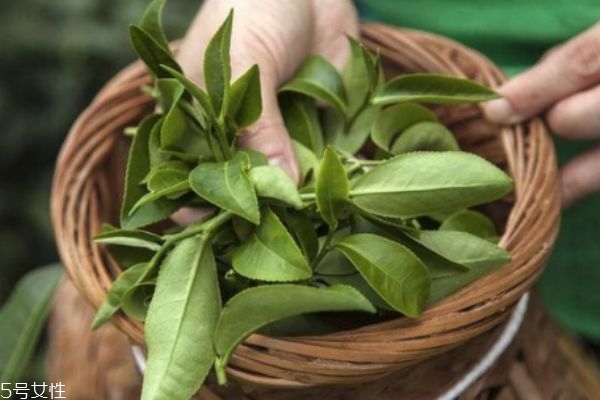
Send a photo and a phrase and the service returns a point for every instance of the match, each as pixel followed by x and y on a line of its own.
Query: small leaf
pixel 271 254
pixel 154 197
pixel 465 249
pixel 334 263
pixel 350 139
pixel 254 308
pixel 136 300
pixel 138 166
pixel 130 238
pixel 112 303
pixel 227 186
pixel 271 182
pixel 154 146
pixel 392 270
pixel 359 283
pixel 151 22
pixel 395 119
pixel 152 52
pixel 357 75
pixel 245 102
pixel 432 88
pixel 217 68
pixel 307 160
pixel 302 121
pixel 165 179
pixel 318 79
pixel 431 136
pixel 192 88
pixel 23 319
pixel 422 183
pixel 445 286
pixel 332 187
pixel 472 222
pixel 181 321
pixel 303 231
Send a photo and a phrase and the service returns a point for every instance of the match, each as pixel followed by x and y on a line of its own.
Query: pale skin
pixel 563 87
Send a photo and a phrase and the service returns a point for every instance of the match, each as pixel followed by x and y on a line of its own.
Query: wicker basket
pixel 87 191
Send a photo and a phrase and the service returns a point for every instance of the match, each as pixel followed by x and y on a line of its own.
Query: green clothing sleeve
pixel 514 34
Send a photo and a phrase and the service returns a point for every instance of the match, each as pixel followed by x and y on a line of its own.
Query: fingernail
pixel 500 111
pixel 286 166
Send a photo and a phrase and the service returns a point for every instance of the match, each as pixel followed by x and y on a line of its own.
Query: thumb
pixel 269 134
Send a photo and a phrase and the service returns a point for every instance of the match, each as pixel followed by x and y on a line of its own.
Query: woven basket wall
pixel 87 191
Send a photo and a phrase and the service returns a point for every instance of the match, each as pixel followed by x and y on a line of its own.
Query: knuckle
pixel 583 58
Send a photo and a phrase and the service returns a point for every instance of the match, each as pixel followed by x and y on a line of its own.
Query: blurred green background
pixel 55 56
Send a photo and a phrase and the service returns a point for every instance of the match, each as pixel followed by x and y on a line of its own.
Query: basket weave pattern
pixel 87 191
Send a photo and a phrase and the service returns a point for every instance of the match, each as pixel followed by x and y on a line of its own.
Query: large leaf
pixel 422 183
pixel 358 282
pixel 432 88
pixel 332 187
pixel 445 286
pixel 227 185
pixel 23 319
pixel 393 120
pixel 318 79
pixel 272 182
pixel 181 321
pixel 358 76
pixel 112 303
pixel 245 103
pixel 271 254
pixel 217 68
pixel 153 53
pixel 138 166
pixel 254 308
pixel 431 136
pixel 151 22
pixel 465 249
pixel 472 222
pixel 392 270
pixel 302 121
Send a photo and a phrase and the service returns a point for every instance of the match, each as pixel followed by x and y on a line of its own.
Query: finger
pixel 269 135
pixel 333 27
pixel 188 215
pixel 578 116
pixel 572 67
pixel 581 177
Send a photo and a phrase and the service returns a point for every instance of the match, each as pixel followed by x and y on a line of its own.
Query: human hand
pixel 565 85
pixel 278 35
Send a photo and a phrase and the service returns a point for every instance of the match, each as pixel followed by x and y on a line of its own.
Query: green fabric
pixel 515 33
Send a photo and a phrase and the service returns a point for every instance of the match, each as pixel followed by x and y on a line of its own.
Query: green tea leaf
pixel 192 88
pixel 138 166
pixel 256 307
pixel 271 254
pixel 350 139
pixel 130 238
pixel 334 263
pixel 157 157
pixel 302 121
pixel 318 79
pixel 432 88
pixel 112 303
pixel 181 321
pixel 217 68
pixel 23 319
pixel 422 183
pixel 445 286
pixel 392 270
pixel 176 190
pixel 152 53
pixel 472 222
pixel 358 76
pixel 227 185
pixel 303 231
pixel 431 136
pixel 332 187
pixel 164 179
pixel 270 181
pixel 307 160
pixel 151 22
pixel 136 300
pixel 395 119
pixel 245 102
pixel 359 283
pixel 465 249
